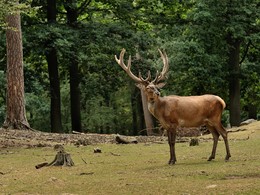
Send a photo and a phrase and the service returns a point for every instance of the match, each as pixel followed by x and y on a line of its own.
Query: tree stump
pixel 62 158
pixel 194 142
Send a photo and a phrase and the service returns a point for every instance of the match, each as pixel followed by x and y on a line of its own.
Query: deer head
pixel 151 87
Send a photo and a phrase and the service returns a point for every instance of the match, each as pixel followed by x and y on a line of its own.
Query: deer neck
pixel 152 104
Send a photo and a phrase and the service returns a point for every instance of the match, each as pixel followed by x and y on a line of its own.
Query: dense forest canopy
pixel 213 47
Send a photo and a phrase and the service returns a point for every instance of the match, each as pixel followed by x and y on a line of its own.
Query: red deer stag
pixel 180 111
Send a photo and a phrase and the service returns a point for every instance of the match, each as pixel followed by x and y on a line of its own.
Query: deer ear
pixel 160 85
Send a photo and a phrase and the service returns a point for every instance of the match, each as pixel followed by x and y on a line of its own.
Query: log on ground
pixel 122 140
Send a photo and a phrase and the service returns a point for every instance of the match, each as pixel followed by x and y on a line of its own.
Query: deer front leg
pixel 171 140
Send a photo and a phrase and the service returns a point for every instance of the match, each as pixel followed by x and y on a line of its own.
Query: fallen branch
pixel 41 165
pixel 114 154
pixel 88 173
pixel 84 160
pixel 237 130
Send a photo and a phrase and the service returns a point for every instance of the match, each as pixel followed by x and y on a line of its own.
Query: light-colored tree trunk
pixel 15 105
pixel 147 115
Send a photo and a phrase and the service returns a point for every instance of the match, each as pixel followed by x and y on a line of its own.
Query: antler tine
pixel 127 68
pixel 156 77
pixel 165 69
pixel 148 77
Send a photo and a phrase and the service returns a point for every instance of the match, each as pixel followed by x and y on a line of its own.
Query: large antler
pixel 127 68
pixel 162 75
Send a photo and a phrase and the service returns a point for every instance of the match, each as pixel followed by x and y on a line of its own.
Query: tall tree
pixel 242 19
pixel 72 17
pixel 52 60
pixel 214 37
pixel 15 105
pixel 234 80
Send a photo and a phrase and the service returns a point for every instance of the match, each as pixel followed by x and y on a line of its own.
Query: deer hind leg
pixel 215 135
pixel 171 140
pixel 224 134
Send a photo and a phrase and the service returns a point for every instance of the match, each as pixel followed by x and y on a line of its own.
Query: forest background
pixel 72 81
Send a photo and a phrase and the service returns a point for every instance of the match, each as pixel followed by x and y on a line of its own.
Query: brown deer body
pixel 180 111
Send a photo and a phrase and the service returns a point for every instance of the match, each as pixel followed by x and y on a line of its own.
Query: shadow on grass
pixel 191 166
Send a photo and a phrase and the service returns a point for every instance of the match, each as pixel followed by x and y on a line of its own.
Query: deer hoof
pixel 171 162
pixel 227 158
pixel 210 158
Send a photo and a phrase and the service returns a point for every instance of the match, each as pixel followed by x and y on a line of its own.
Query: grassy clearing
pixel 136 169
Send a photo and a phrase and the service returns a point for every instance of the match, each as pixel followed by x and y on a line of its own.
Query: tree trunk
pixel 134 111
pixel 75 97
pixel 252 111
pixel 51 56
pixel 234 81
pixel 15 105
pixel 72 16
pixel 140 113
pixel 147 115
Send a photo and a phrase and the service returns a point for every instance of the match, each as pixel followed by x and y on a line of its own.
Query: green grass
pixel 140 169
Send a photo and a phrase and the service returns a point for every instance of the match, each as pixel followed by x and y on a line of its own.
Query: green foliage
pixel 98 116
pixel 192 66
pixel 193 33
pixel 199 53
pixel 2 51
pixel 120 101
pixel 251 74
pixel 38 111
pixel 105 114
pixel 2 96
pixel 37 99
pixel 253 88
pixel 13 7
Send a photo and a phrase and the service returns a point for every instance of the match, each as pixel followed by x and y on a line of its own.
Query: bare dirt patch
pixel 257 175
pixel 28 138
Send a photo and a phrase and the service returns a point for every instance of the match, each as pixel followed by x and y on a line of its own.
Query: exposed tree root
pixel 16 125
